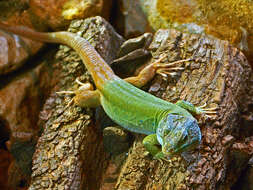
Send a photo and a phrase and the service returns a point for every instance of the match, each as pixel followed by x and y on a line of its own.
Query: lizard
pixel 170 128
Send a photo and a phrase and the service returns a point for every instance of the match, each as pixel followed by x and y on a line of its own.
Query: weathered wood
pixel 217 75
pixel 69 154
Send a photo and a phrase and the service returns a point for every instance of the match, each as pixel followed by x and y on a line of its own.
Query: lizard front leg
pixel 152 145
pixel 194 109
pixel 148 72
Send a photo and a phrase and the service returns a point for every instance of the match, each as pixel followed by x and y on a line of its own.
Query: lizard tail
pixel 95 64
pixel 27 32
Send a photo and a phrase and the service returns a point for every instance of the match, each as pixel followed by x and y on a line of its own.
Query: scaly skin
pixel 166 124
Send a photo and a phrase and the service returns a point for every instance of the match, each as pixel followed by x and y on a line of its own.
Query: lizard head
pixel 177 134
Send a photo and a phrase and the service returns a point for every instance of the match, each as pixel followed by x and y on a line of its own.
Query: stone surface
pixel 131 55
pixel 5 161
pixel 21 99
pixel 227 19
pixel 115 140
pixel 129 18
pixel 14 51
pixel 40 16
pixel 246 179
pixel 48 13
pixel 57 14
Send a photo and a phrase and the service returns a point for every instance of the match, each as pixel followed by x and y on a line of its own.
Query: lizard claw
pixel 204 105
pixel 65 92
pixel 169 68
pixel 84 86
pixel 69 91
pixel 79 82
pixel 209 112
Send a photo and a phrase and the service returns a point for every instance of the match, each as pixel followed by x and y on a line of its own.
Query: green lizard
pixel 172 126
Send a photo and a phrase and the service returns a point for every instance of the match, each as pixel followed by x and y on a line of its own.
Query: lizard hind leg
pixel 85 96
pixel 157 67
pixel 169 68
pixel 84 86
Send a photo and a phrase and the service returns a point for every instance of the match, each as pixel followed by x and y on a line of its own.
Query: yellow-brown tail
pixel 95 64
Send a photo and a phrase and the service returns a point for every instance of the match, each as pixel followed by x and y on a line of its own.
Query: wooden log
pixel 69 154
pixel 217 75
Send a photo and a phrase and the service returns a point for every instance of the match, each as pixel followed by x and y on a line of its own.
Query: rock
pixel 115 140
pixel 40 16
pixel 48 13
pixel 5 161
pixel 227 140
pixel 226 19
pixel 131 55
pixel 21 99
pixel 15 51
pixel 239 157
pixel 12 7
pixel 246 179
pixel 129 18
pixel 57 14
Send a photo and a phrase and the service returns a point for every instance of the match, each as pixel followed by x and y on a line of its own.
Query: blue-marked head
pixel 177 134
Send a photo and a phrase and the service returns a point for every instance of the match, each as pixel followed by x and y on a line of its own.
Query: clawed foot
pixel 169 68
pixel 65 92
pixel 83 87
pixel 160 157
pixel 209 112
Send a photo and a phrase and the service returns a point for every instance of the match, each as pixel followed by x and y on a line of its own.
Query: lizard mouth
pixel 172 151
pixel 169 152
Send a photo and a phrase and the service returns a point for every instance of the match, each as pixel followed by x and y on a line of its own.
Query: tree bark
pixel 217 75
pixel 69 154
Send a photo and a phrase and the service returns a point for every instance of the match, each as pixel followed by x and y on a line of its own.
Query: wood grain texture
pixel 217 75
pixel 69 154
